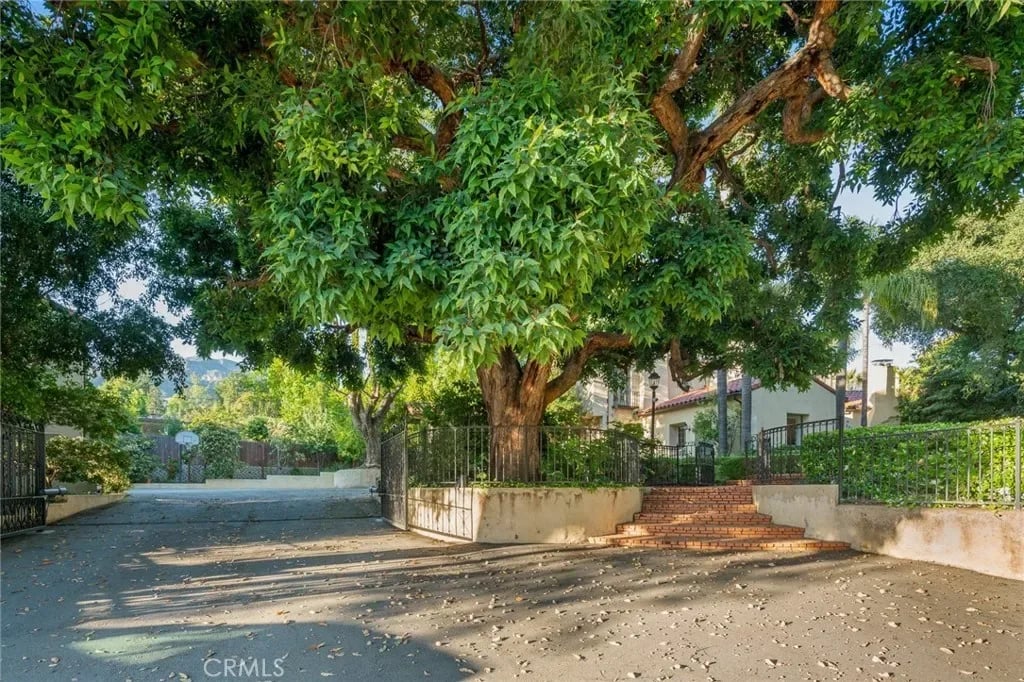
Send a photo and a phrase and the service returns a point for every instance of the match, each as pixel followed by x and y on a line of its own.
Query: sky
pixel 863 205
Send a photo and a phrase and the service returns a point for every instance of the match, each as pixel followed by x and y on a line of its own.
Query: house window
pixel 621 397
pixel 794 433
pixel 677 434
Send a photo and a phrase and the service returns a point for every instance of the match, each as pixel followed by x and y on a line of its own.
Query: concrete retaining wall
pixel 979 540
pixel 76 504
pixel 362 477
pixel 522 515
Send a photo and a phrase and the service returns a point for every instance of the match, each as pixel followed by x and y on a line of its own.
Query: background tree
pixel 961 304
pixel 535 184
pixel 63 318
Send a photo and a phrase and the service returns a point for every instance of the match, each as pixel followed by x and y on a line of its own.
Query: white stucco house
pixel 675 409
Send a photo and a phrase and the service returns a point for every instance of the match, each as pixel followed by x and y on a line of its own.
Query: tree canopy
pixel 63 318
pixel 535 185
pixel 970 332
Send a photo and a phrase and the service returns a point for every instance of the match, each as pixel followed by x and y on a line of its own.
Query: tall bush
pixel 141 461
pixel 218 446
pixel 71 460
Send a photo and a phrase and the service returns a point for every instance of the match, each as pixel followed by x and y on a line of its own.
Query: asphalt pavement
pixel 311 585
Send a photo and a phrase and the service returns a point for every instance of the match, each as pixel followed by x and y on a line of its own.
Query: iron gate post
pixel 841 426
pixel 405 476
pixel 1016 458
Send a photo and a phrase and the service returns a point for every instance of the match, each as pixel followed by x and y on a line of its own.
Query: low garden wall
pixel 76 504
pixel 361 477
pixel 980 540
pixel 521 515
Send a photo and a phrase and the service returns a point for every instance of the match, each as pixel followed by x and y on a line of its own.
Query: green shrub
pixel 141 461
pixel 916 463
pixel 218 446
pixel 730 468
pixel 70 460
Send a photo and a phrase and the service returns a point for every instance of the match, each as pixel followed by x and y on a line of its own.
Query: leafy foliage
pixel 705 425
pixel 492 178
pixel 916 464
pixel 142 463
pixel 56 335
pixel 218 447
pixel 102 462
pixel 730 468
pixel 971 339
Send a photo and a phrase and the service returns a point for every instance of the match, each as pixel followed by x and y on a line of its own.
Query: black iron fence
pixel 462 455
pixel 22 475
pixel 689 464
pixel 976 464
pixel 775 453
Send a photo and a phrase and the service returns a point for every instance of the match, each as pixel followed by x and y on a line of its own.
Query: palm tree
pixel 899 290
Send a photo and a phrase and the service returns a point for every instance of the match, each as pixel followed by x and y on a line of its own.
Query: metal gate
pixel 23 470
pixel 705 463
pixel 689 464
pixel 439 497
pixel 394 479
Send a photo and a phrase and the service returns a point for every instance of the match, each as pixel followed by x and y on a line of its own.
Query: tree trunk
pixel 369 416
pixel 746 386
pixel 723 412
pixel 515 398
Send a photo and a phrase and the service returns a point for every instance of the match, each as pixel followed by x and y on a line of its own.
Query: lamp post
pixel 652 382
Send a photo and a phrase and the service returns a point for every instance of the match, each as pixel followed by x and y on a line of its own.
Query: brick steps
pixel 713 516
pixel 722 543
pixel 716 530
pixel 719 517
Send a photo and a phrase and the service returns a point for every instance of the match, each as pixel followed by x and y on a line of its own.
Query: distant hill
pixel 208 371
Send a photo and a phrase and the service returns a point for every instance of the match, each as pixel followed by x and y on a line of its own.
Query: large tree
pixel 536 185
pixel 62 316
pixel 961 304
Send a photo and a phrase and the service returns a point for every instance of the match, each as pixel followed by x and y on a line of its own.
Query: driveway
pixel 310 585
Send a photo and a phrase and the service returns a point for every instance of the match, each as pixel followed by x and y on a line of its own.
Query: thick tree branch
pixel 575 363
pixel 798 110
pixel 682 366
pixel 664 106
pixel 986 64
pixel 727 179
pixel 785 82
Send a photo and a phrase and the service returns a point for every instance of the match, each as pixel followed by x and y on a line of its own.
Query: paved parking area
pixel 310 585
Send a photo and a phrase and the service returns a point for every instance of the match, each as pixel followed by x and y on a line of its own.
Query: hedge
pixel 71 460
pixel 917 463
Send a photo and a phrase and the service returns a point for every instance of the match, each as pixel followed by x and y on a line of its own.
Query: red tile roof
pixel 698 396
pixel 733 388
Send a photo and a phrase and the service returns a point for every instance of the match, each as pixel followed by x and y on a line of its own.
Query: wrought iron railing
pixel 22 475
pixel 968 465
pixel 775 453
pixel 689 464
pixel 463 455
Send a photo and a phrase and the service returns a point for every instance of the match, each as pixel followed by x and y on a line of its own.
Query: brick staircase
pixel 719 517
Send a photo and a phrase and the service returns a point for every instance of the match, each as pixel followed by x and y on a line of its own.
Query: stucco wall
pixel 976 539
pixel 362 477
pixel 769 408
pixel 522 515
pixel 76 504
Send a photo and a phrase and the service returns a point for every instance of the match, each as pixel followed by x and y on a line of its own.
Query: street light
pixel 652 382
